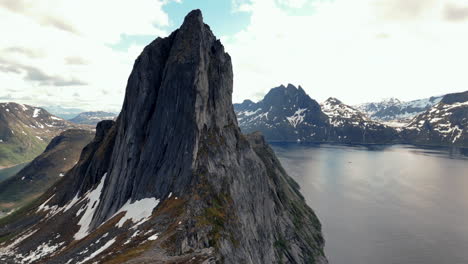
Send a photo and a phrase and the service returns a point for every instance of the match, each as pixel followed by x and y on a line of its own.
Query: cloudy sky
pixel 80 53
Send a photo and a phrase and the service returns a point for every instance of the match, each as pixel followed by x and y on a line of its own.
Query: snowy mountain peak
pixel 394 109
pixel 391 101
pixel 337 111
pixel 444 123
pixel 332 101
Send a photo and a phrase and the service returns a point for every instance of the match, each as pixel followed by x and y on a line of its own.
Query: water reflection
pixel 385 204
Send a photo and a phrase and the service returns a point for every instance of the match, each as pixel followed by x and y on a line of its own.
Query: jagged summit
pixel 188 87
pixel 173 178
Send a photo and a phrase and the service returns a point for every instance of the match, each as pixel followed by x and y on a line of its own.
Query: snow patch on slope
pixel 36 112
pixel 93 202
pixel 99 251
pixel 297 118
pixel 138 211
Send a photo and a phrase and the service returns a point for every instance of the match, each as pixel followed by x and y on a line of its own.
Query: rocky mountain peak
pixel 289 96
pixel 173 176
pixel 187 80
pixel 333 101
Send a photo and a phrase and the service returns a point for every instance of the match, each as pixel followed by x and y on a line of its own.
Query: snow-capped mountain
pixel 393 109
pixel 446 123
pixel 26 130
pixel 339 113
pixel 92 118
pixel 289 114
pixel 286 113
pixel 349 125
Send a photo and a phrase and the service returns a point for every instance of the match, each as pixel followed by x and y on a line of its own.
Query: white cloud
pixel 357 51
pixel 51 51
pixel 57 51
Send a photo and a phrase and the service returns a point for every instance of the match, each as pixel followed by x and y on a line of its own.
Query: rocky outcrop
pixel 173 180
pixel 61 154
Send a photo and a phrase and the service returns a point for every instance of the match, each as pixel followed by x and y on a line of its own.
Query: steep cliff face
pixel 172 180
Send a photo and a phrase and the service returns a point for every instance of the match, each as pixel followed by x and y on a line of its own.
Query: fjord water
pixel 385 204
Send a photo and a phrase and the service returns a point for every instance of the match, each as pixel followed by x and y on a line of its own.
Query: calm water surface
pixel 385 204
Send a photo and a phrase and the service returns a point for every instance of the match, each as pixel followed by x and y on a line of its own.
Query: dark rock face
pixel 444 124
pixel 285 114
pixel 173 180
pixel 61 154
pixel 92 118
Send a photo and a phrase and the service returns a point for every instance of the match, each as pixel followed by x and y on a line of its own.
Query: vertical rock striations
pixel 173 180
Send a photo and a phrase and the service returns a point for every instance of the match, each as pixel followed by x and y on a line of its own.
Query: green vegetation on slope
pixel 11 171
pixel 35 178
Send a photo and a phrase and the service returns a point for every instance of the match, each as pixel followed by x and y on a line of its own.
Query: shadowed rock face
pixel 172 180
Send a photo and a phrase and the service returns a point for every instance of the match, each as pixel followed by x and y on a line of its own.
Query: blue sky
pixel 219 14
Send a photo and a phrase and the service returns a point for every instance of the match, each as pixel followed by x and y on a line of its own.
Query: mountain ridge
pixel 393 109
pixel 349 125
pixel 92 117
pixel 289 114
pixel 26 130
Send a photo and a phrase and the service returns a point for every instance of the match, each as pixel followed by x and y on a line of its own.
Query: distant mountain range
pixel 63 112
pixel 287 113
pixel 92 118
pixel 26 130
pixel 395 110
